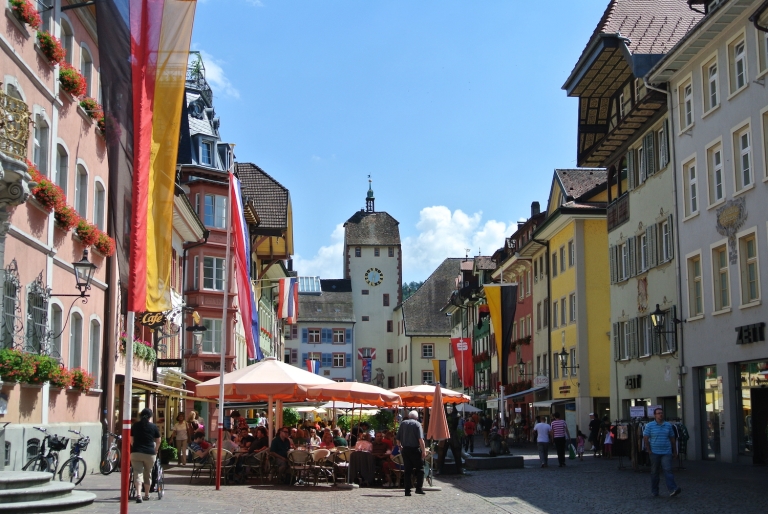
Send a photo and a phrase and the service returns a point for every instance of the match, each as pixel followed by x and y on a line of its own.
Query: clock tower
pixel 373 264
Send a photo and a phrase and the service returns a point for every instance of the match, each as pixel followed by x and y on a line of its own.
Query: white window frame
pixel 643 249
pixel 81 189
pixel 695 285
pixel 218 273
pixel 67 38
pixel 76 328
pixel 61 170
pixel 342 357
pixel 555 318
pixel 691 187
pixel 762 52
pixel 685 99
pixel 571 253
pixel 573 362
pixel 572 307
pixel 744 262
pixel 99 203
pixel 427 354
pixel 666 241
pixel 715 174
pixel 624 340
pixel 764 139
pixel 562 259
pixel 218 218
pixel 339 336
pixel 710 76
pixel 738 69
pixel 645 336
pixel 427 376
pixel 211 342
pixel 624 260
pixel 740 174
pixel 86 67
pixel 718 273
pixel 563 312
pixel 41 135
pixel 94 351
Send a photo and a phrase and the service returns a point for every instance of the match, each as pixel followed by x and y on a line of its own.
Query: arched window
pixel 67 40
pixel 61 174
pixel 75 341
pixel 32 447
pixel 86 68
pixel 56 328
pixel 81 191
pixel 99 198
pixel 93 352
pixel 40 153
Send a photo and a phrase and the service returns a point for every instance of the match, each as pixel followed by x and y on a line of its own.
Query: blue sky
pixel 455 109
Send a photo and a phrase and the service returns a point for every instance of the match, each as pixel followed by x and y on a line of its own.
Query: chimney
pixel 535 209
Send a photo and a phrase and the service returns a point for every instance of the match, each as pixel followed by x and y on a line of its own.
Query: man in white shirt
pixel 543 436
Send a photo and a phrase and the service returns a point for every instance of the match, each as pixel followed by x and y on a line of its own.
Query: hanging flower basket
pixel 141 349
pixel 46 192
pixel 81 379
pixel 87 233
pixel 16 366
pixel 51 47
pixel 26 12
pixel 104 244
pixel 66 217
pixel 71 80
pixel 92 109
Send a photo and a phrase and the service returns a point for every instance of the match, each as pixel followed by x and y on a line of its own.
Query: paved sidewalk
pixel 594 486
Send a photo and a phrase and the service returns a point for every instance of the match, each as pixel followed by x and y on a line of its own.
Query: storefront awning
pixel 183 375
pixel 546 404
pixel 160 388
pixel 523 393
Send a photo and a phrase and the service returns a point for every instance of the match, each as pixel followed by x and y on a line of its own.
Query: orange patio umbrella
pixel 438 423
pixel 354 392
pixel 422 395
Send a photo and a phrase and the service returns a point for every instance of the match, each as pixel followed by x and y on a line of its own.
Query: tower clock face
pixel 374 276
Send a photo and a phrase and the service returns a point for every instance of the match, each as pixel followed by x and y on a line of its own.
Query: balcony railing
pixel 14 127
pixel 618 212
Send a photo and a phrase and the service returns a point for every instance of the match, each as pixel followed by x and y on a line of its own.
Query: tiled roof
pixel 270 198
pixel 421 310
pixel 371 228
pixel 326 307
pixel 577 182
pixel 484 263
pixel 652 26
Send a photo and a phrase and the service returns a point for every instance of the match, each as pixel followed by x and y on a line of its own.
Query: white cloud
pixel 327 262
pixel 443 234
pixel 214 74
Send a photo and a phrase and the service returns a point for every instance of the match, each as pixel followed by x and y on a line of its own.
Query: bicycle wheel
pixel 160 483
pixel 35 464
pixel 132 487
pixel 53 462
pixel 73 470
pixel 109 462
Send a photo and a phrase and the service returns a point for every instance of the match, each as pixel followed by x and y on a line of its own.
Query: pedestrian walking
pixel 411 437
pixel 594 433
pixel 469 435
pixel 561 435
pixel 145 443
pixel 543 432
pixel 580 439
pixel 660 441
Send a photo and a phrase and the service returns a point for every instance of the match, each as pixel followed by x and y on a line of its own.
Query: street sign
pixel 168 363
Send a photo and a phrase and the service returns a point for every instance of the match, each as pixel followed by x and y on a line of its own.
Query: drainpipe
pixel 673 162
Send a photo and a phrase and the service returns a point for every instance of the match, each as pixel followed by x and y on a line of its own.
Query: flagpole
pixel 125 461
pixel 224 331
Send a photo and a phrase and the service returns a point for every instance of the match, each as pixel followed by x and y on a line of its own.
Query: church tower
pixel 373 264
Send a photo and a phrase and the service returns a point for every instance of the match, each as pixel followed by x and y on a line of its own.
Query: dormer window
pixel 206 153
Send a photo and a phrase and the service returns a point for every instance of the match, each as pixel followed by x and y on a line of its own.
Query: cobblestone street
pixel 592 486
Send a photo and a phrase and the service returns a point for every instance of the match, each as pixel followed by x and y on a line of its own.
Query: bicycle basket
pixel 83 443
pixel 58 443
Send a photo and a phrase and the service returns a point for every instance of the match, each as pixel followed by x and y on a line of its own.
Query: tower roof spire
pixel 369 198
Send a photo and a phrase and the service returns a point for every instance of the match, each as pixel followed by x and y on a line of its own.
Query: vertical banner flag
pixel 502 303
pixel 143 51
pixel 242 247
pixel 288 300
pixel 367 364
pixel 439 369
pixel 462 351
pixel 312 366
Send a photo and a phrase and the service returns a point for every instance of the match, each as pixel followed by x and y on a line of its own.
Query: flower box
pixel 31 386
pixel 71 80
pixel 25 11
pixel 50 47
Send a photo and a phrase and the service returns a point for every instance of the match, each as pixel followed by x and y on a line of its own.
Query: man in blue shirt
pixel 660 441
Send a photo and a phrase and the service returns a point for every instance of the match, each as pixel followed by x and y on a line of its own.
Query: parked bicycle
pixel 111 460
pixel 47 461
pixel 74 468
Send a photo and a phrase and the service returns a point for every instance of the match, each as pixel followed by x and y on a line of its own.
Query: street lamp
pixel 84 270
pixel 563 356
pixel 197 330
pixel 659 320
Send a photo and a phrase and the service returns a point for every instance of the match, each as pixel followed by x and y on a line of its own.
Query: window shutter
pixel 294 356
pixel 643 166
pixel 631 248
pixel 612 259
pixel 650 239
pixel 304 358
pixel 634 347
pixel 671 238
pixel 672 328
pixel 349 360
pixel 326 335
pixel 631 170
pixel 304 335
pixel 616 349
pixel 650 154
pixel 664 145
pixel 349 336
pixel 656 342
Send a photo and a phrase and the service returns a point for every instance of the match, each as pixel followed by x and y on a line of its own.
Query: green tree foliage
pixel 410 287
pixel 290 417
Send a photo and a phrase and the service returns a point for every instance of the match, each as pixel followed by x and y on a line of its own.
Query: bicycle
pixel 157 484
pixel 74 468
pixel 111 460
pixel 47 462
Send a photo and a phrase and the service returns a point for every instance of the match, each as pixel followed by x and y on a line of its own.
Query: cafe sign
pixel 541 381
pixel 750 333
pixel 153 320
pixel 168 363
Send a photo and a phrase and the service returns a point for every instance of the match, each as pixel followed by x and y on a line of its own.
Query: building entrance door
pixel 757 424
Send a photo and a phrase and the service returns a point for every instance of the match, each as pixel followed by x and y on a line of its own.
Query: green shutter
pixel 616 348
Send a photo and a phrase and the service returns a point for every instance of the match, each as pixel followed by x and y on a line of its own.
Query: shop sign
pixel 541 381
pixel 750 333
pixel 152 320
pixel 565 388
pixel 168 363
pixel 651 408
pixel 632 381
pixel 637 411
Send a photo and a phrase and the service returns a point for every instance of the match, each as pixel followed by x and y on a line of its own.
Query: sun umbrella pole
pixel 270 423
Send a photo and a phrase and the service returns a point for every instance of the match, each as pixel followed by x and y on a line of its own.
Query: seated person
pixel 196 447
pixel 261 442
pixel 246 442
pixel 327 441
pixel 294 437
pixel 227 442
pixel 363 443
pixel 279 449
pixel 379 448
pixel 338 438
pixel 365 427
pixel 314 439
pixel 388 466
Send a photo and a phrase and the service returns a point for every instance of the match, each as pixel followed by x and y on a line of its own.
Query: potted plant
pixel 60 377
pixel 87 233
pixel 46 192
pixel 66 217
pixel 92 108
pixel 72 81
pixel 167 453
pixel 81 380
pixel 26 12
pixel 51 47
pixel 105 245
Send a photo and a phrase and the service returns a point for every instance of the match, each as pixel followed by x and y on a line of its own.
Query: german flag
pixel 502 303
pixel 143 50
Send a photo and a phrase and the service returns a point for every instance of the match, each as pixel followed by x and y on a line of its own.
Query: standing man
pixel 543 431
pixel 469 435
pixel 660 441
pixel 594 433
pixel 487 423
pixel 411 437
pixel 561 435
